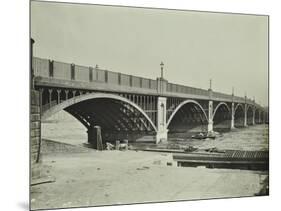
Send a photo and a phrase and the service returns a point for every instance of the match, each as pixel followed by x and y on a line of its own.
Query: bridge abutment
pixel 35 135
pixel 35 126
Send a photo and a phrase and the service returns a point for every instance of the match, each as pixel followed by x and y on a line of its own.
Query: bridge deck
pixel 65 75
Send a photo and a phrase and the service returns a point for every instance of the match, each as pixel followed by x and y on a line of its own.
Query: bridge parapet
pixel 186 90
pixel 219 95
pixel 70 72
pixel 60 72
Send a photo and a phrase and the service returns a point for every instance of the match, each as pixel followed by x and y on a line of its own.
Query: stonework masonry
pixel 35 134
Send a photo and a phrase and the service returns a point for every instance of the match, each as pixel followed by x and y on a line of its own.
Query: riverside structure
pixel 128 107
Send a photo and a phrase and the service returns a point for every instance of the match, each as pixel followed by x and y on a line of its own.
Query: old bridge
pixel 127 106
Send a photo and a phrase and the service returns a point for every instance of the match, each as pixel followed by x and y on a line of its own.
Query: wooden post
pixel 117 145
pixel 99 138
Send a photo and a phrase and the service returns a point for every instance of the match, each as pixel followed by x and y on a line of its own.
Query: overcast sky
pixel 194 46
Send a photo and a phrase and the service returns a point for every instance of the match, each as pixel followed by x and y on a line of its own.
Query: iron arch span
pixel 188 115
pixel 118 117
pixel 222 117
pixel 250 115
pixel 239 115
pixel 257 117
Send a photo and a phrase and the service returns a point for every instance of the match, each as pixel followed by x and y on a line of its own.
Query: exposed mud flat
pixel 121 177
pixel 86 177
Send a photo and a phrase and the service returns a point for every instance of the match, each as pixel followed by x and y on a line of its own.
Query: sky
pixel 230 49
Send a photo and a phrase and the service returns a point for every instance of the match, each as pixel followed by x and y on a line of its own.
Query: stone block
pixel 35 125
pixel 34 133
pixel 34 148
pixel 34 117
pixel 33 157
pixel 34 140
pixel 34 109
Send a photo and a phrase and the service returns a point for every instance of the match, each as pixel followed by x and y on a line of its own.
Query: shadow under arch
pixel 239 105
pixel 181 105
pixel 239 115
pixel 222 117
pixel 220 105
pixel 257 119
pixel 250 114
pixel 83 118
pixel 189 116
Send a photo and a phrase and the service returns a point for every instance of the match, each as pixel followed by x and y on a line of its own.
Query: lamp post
pixel 162 67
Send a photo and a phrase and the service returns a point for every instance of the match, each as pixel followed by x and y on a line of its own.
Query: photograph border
pixel 151 8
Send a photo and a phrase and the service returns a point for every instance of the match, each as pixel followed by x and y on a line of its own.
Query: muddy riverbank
pixel 120 177
pixel 86 177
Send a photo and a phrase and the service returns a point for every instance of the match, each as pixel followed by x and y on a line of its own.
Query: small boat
pixel 199 136
pixel 211 135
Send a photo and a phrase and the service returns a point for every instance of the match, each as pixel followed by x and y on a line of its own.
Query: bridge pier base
pixel 245 122
pixel 162 131
pixel 232 123
pixel 210 117
pixel 92 137
pixel 245 116
pixel 210 126
pixel 254 117
pixel 162 136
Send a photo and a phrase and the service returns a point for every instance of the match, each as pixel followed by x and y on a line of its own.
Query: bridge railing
pixel 66 71
pixel 82 73
pixel 60 70
pixel 203 92
pixel 222 95
pixel 186 89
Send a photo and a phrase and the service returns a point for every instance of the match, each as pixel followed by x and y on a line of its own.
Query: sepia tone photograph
pixel 134 105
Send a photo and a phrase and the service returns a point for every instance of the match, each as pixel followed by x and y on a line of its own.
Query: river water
pixel 64 128
pixel 250 138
